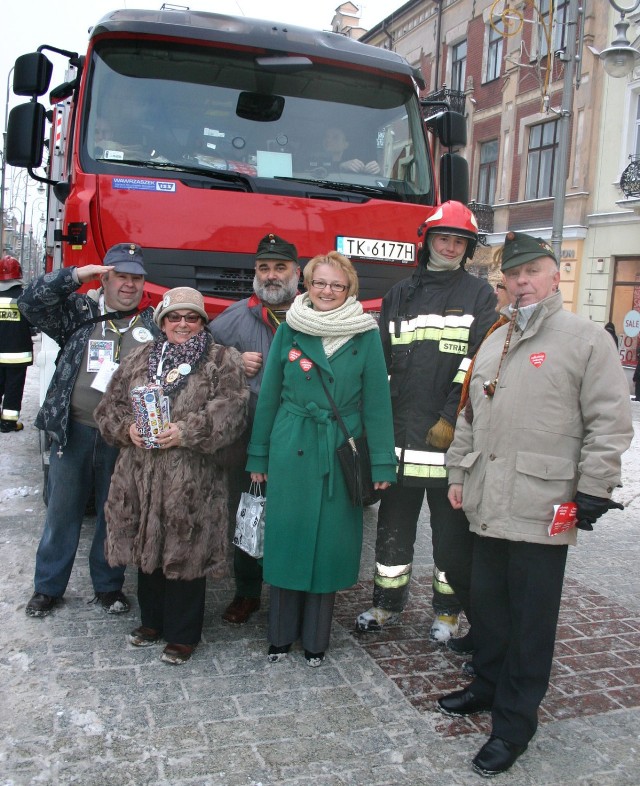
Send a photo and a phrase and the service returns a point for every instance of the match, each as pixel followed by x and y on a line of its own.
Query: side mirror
pixel 32 74
pixel 450 128
pixel 454 178
pixel 25 135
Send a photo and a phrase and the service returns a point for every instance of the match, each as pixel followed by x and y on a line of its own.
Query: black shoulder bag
pixel 354 459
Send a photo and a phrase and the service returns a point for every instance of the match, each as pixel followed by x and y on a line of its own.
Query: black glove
pixel 590 509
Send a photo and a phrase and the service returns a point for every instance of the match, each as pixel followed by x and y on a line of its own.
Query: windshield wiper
pixel 213 174
pixel 358 188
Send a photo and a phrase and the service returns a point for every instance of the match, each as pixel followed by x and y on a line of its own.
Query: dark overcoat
pixel 313 534
pixel 168 508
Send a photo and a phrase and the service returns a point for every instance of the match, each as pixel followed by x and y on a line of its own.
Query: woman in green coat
pixel 313 533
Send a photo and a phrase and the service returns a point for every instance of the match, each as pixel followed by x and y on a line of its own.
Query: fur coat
pixel 168 508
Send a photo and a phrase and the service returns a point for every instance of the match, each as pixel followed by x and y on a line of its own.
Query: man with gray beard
pixel 249 325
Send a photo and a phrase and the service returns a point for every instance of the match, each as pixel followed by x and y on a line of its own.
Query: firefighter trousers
pixel 451 541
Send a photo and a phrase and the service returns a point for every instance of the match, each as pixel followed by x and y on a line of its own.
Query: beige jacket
pixel 559 421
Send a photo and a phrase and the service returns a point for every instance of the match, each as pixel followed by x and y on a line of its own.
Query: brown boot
pixel 240 609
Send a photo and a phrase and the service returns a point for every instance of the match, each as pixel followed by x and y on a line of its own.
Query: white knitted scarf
pixel 335 327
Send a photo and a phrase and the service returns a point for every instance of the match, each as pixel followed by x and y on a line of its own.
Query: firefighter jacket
pixel 16 346
pixel 431 326
pixel 50 302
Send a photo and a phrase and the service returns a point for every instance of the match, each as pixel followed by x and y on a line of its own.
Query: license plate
pixel 382 250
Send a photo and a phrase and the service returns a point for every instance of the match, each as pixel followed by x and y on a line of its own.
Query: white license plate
pixel 383 250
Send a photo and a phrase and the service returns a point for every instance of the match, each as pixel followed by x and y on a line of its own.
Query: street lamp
pixel 620 58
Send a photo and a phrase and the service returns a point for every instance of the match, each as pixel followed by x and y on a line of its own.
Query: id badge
pixel 99 352
pixel 103 377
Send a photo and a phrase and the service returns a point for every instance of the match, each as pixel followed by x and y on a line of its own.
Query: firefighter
pixel 16 346
pixel 431 325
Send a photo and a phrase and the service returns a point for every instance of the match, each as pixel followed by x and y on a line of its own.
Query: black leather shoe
pixel 463 645
pixel 40 605
pixel 462 702
pixel 496 756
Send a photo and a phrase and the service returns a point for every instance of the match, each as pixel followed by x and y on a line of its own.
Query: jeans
pixel 86 461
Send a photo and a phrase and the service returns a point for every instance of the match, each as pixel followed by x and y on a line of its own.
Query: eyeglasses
pixel 500 286
pixel 332 287
pixel 190 318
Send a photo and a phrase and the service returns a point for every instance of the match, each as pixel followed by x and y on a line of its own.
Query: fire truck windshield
pixel 206 111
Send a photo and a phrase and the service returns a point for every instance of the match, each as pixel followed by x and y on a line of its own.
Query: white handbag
pixel 249 535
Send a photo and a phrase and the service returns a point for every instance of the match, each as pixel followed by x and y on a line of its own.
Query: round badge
pixel 184 369
pixel 142 335
pixel 173 375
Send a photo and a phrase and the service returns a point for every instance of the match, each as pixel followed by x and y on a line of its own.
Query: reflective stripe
pixel 385 583
pixel 10 414
pixel 417 471
pixel 8 301
pixel 432 327
pixel 16 357
pixel 421 456
pixel 459 377
pixel 440 583
pixel 392 570
pixel 464 364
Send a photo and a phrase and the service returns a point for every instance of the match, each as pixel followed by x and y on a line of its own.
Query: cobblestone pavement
pixel 78 705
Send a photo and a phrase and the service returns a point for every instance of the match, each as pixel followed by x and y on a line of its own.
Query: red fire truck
pixel 195 134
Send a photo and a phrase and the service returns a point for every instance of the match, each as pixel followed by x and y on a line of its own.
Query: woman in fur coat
pixel 167 510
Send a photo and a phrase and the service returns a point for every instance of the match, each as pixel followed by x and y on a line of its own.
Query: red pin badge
pixel 294 354
pixel 537 358
pixel 306 364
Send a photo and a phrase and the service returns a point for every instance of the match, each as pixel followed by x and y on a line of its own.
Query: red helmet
pixel 10 269
pixel 453 218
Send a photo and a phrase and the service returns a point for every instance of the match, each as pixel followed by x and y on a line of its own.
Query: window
pixel 558 34
pixel 543 146
pixel 494 54
pixel 458 65
pixel 488 172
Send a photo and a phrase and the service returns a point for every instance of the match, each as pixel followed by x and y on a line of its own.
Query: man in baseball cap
pixel 125 258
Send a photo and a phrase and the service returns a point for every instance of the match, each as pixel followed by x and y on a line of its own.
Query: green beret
pixel 274 247
pixel 520 248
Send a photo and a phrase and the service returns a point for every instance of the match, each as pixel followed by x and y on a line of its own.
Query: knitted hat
pixel 520 248
pixel 180 298
pixel 125 258
pixel 274 247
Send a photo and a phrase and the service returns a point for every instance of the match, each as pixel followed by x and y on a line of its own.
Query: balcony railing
pixel 455 99
pixel 484 217
pixel 630 178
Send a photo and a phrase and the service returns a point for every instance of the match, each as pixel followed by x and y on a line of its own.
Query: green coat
pixel 313 534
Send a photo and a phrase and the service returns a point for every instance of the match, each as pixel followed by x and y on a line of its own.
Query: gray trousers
pixel 297 615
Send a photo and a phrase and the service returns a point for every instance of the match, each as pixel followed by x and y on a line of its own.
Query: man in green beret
pixel 551 420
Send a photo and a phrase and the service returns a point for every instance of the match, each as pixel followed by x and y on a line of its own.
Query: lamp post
pixel 4 162
pixel 620 57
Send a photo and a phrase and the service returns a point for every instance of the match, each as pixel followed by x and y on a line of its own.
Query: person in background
pixel 431 326
pixel 313 533
pixel 95 332
pixel 636 378
pixel 332 157
pixel 611 330
pixel 249 325
pixel 16 346
pixel 167 506
pixel 549 426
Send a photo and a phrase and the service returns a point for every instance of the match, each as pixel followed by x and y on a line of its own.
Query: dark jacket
pixel 50 303
pixel 431 325
pixel 16 346
pixel 243 327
